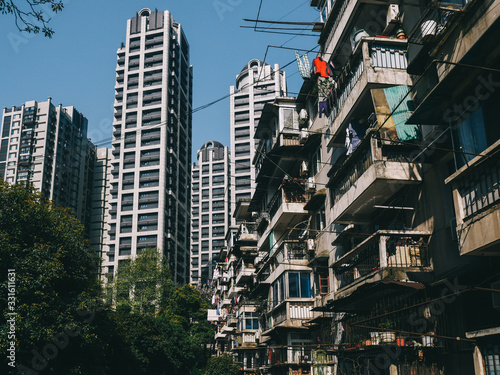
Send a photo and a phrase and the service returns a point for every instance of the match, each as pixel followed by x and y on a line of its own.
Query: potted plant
pixel 375 337
pixel 387 336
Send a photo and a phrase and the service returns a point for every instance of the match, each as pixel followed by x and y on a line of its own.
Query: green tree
pixel 187 308
pixel 32 16
pixel 52 274
pixel 143 284
pixel 222 365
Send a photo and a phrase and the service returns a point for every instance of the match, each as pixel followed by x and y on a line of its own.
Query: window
pixel 491 355
pixel 242 166
pixel 299 285
pixel 242 149
pixel 218 180
pixel 218 168
pixel 242 183
pixel 278 292
pixel 250 321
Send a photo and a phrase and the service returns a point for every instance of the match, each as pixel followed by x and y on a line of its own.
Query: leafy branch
pixel 32 16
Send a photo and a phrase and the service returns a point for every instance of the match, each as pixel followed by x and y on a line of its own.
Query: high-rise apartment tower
pixel 210 210
pixel 46 146
pixel 151 147
pixel 256 84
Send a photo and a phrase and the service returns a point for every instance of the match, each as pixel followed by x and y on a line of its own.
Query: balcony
pixel 286 207
pixel 234 291
pixel 150 157
pixel 231 320
pixel 286 144
pixel 151 136
pixel 146 244
pixel 247 233
pixel 289 314
pixel 370 176
pixel 149 178
pixel 385 255
pixel 244 274
pixel 291 355
pixel 375 63
pixel 476 195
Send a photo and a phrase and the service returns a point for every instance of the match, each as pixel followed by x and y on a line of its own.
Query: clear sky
pixel 77 66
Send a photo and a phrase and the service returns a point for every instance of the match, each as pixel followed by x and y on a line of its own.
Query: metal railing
pixel 384 249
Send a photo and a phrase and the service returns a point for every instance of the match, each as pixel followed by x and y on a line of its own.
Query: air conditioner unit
pixel 496 295
pixel 303 135
pixel 393 14
pixel 310 184
pixel 304 170
pixel 303 117
pixel 310 244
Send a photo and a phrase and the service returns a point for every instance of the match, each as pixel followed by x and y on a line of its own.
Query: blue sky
pixel 77 66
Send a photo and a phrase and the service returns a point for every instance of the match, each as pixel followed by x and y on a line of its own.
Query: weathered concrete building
pixel 376 229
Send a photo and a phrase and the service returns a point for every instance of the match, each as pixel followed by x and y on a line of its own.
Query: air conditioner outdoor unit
pixel 496 295
pixel 310 184
pixel 303 135
pixel 310 244
pixel 304 170
pixel 392 14
pixel 303 116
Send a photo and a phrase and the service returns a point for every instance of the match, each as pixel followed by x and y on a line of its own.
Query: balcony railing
pixel 290 313
pixel 297 355
pixel 247 232
pixel 367 68
pixel 287 140
pixel 291 191
pixel 434 22
pixel 383 250
pixel 476 192
pixel 370 176
pixel 244 274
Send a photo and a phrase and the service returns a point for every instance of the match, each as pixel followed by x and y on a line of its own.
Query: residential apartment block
pixel 151 147
pixel 209 211
pixel 371 243
pixel 46 146
pixel 257 84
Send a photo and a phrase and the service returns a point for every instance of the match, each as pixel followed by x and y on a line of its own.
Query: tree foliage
pixel 63 326
pixel 32 16
pixel 142 284
pixel 55 285
pixel 222 365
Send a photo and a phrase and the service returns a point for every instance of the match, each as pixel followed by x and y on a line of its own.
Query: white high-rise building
pixel 151 147
pixel 101 186
pixel 210 209
pixel 46 146
pixel 257 84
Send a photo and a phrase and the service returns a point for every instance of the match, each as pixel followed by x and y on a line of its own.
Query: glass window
pixel 299 285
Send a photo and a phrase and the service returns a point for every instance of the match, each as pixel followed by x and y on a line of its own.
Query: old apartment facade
pixel 370 244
